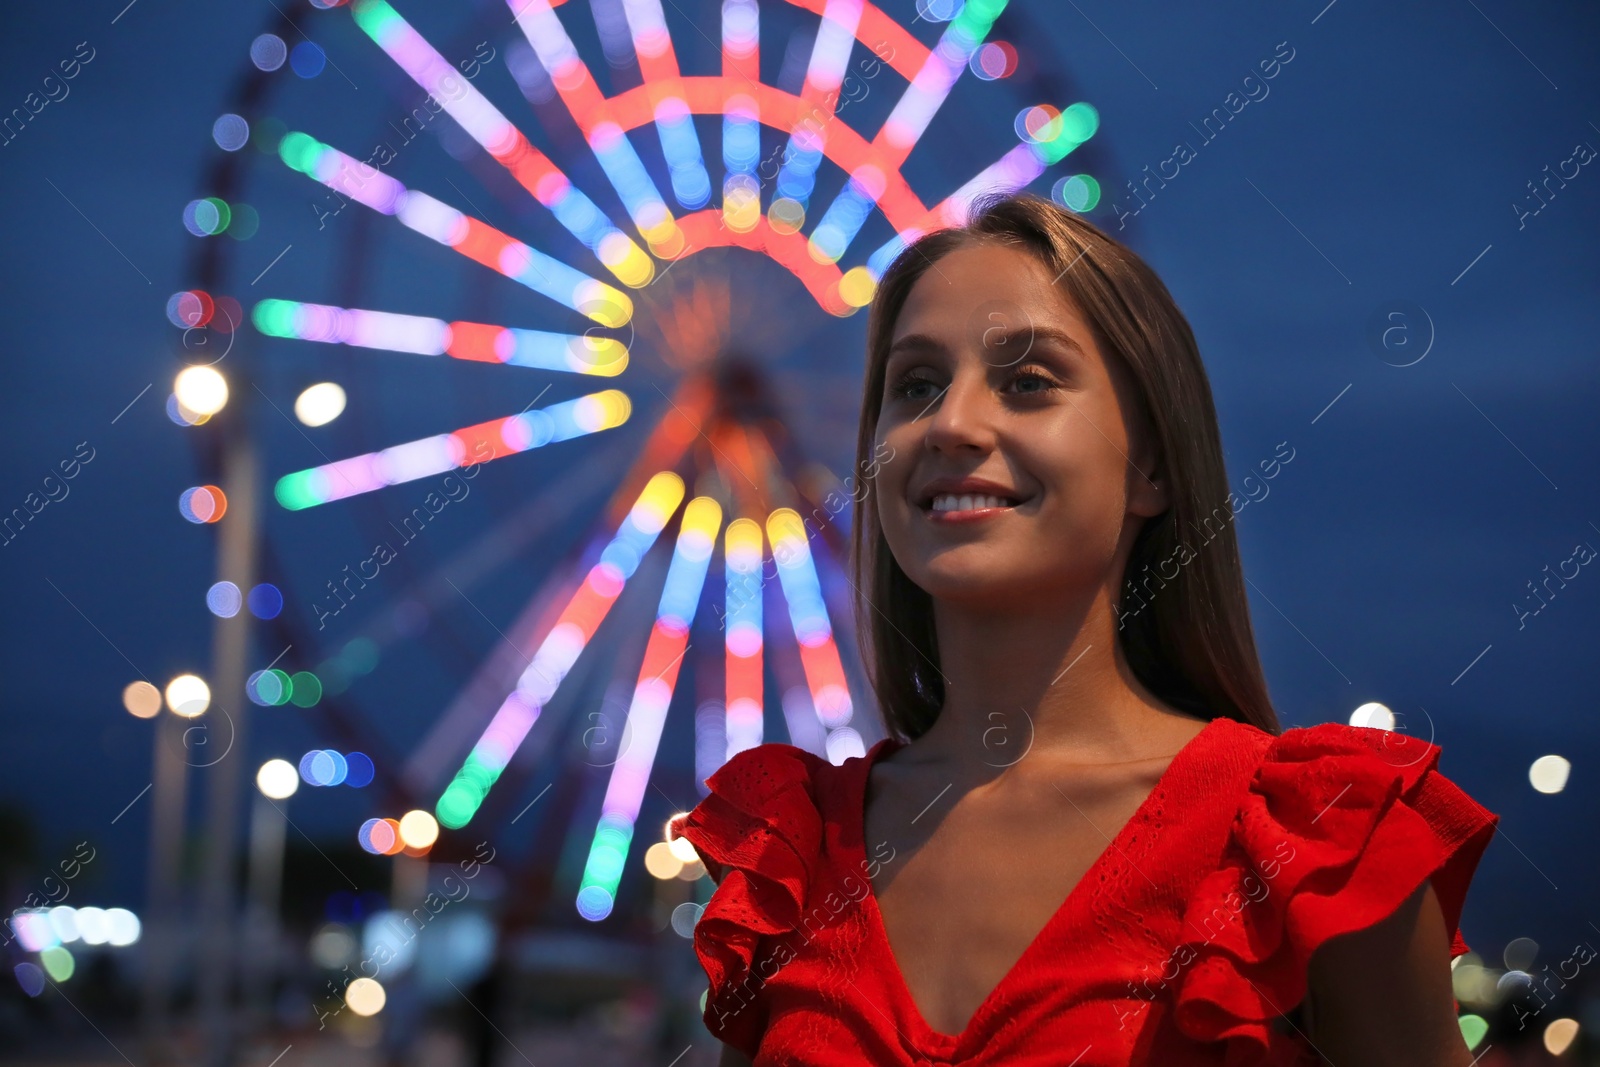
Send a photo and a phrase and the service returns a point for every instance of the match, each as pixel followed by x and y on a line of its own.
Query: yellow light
pixel 418 829
pixel 742 544
pixel 201 390
pixel 661 497
pixel 857 286
pixel 319 404
pixel 277 779
pixel 365 996
pixel 188 696
pixel 683 850
pixel 142 700
pixel 1559 1035
pixel 660 861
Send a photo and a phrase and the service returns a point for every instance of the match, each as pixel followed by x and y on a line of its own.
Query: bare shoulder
pixel 1382 995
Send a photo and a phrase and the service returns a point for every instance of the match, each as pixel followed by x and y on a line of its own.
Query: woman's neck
pixel 1051 682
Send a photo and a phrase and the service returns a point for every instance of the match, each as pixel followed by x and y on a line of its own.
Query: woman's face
pixel 993 375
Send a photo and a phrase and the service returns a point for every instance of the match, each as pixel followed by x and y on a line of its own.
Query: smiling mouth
pixel 967 503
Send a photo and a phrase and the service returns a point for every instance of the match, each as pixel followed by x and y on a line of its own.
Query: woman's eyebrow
pixel 997 337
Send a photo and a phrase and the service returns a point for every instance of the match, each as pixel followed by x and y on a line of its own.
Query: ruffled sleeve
pixel 1339 826
pixel 759 833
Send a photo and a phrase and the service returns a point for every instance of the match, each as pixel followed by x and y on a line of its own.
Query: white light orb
pixel 278 779
pixel 188 696
pixel 319 404
pixel 201 390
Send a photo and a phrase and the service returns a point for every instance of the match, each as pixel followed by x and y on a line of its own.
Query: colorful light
pixel 819 655
pixel 440 222
pixel 142 700
pixel 578 353
pixel 742 640
pixel 484 123
pixel 647 714
pixel 465 447
pixel 560 649
pixel 307 59
pixel 203 503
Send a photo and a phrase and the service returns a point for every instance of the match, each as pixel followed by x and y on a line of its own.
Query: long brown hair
pixel 1189 639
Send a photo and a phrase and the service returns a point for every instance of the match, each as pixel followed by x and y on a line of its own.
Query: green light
pixel 1473 1028
pixel 58 963
pixel 456 808
pixel 300 151
pixel 275 318
pixel 224 213
pixel 1078 193
pixel 307 689
pixel 297 490
pixel 376 18
pixel 246 221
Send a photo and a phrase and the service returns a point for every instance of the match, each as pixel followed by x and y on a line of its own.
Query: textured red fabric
pixel 1184 944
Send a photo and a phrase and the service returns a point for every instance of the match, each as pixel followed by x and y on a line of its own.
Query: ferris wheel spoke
pixel 609 141
pixel 466 447
pixel 647 713
pixel 499 137
pixel 560 649
pixel 416 334
pixel 471 237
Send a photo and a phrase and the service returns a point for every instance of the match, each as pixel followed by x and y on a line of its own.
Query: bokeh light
pixel 58 963
pixel 418 829
pixel 308 59
pixel 201 389
pixel 365 996
pixel 1559 1035
pixel 1373 715
pixel 996 59
pixel 661 862
pixel 223 599
pixel 265 601
pixel 361 770
pixel 142 700
pixel 319 404
pixel 231 132
pixel 277 779
pixel 188 696
pixel 203 503
pixel 306 689
pixel 268 51
pixel 1077 192
pixel 317 767
pixel 30 977
pixel 190 308
pixel 1549 773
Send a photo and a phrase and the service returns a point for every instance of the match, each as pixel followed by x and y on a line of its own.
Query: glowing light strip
pixel 819 655
pixel 647 714
pixel 830 53
pixel 742 635
pixel 578 353
pixel 1009 173
pixel 741 115
pixel 622 165
pixel 674 124
pixel 484 123
pixel 904 127
pixel 462 448
pixel 559 650
pixel 476 240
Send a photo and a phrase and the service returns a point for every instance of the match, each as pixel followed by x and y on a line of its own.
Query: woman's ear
pixel 1148 493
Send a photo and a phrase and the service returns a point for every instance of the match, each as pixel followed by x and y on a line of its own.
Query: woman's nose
pixel 962 417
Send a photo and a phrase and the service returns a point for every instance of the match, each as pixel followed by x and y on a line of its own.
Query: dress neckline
pixel 937 1041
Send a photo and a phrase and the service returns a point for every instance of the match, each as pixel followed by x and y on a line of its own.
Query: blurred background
pixel 404 406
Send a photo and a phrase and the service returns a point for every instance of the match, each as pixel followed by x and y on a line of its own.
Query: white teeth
pixel 951 502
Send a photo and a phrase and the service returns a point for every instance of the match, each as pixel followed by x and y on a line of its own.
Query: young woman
pixel 1086 840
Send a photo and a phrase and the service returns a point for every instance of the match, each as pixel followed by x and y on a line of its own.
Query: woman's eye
pixel 1038 382
pixel 906 387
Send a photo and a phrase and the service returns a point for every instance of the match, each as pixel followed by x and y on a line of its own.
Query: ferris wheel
pixel 696 240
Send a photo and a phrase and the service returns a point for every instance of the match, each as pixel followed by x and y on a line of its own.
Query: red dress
pixel 1181 946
